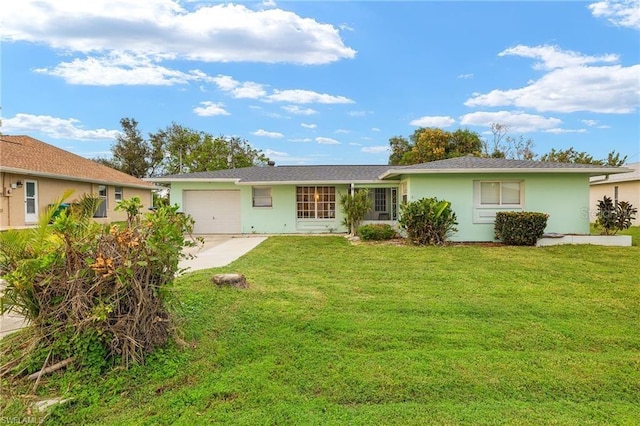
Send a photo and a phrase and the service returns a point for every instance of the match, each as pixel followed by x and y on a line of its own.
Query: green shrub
pixel 520 228
pixel 355 207
pixel 613 217
pixel 376 232
pixel 428 221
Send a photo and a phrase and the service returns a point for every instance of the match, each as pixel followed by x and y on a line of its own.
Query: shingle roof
pixel 378 173
pixel 318 174
pixel 622 177
pixel 471 164
pixel 24 154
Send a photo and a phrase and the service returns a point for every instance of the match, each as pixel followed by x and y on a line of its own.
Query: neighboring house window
pixel 615 195
pixel 316 202
pixel 403 192
pixel 262 197
pixel 102 194
pixel 118 193
pixel 380 199
pixel 500 193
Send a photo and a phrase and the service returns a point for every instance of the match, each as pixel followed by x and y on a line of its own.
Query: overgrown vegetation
pixel 355 207
pixel 93 295
pixel 613 217
pixel 387 335
pixel 428 221
pixel 376 232
pixel 520 228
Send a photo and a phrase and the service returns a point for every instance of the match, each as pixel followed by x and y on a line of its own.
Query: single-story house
pixel 35 174
pixel 305 199
pixel 618 187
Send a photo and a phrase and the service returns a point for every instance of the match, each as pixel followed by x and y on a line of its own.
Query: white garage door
pixel 214 212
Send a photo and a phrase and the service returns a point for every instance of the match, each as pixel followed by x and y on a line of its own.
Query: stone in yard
pixel 230 280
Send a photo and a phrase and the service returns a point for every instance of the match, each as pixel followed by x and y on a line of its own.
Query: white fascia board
pixel 589 171
pixel 316 182
pixel 77 179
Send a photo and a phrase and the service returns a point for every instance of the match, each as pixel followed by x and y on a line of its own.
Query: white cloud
pixel 284 157
pixel 308 126
pixel 269 3
pixel 266 134
pixel 299 140
pixel 465 76
pixel 209 32
pixel 433 121
pixel 375 129
pixel 327 141
pixel 570 84
pixel 299 96
pixel 517 121
pixel 295 109
pixel 589 123
pixel 355 144
pixel 375 149
pixel 625 13
pixel 209 109
pixel 342 131
pixel 552 57
pixel 558 131
pixel 237 89
pixel 119 68
pixel 54 127
pixel 359 113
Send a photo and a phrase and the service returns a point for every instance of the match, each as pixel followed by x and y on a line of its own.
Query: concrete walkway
pixel 219 251
pixel 216 251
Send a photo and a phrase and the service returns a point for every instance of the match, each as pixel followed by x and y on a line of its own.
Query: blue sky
pixel 314 82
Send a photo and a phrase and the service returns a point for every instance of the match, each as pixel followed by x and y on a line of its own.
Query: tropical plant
pixel 87 289
pixel 613 217
pixel 355 207
pixel 428 221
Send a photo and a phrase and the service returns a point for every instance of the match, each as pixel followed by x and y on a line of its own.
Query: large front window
pixel 316 202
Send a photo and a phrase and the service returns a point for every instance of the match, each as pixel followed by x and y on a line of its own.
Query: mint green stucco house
pixel 305 199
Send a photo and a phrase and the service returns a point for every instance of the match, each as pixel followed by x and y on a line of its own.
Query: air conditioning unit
pixel 8 192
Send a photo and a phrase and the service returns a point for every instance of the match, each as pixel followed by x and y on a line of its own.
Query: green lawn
pixel 331 333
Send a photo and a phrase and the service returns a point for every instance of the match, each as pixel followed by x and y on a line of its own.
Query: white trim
pixel 77 179
pixel 579 170
pixel 486 213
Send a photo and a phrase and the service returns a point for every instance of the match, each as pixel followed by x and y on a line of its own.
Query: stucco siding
pixel 280 218
pixel 627 191
pixel 50 190
pixel 564 197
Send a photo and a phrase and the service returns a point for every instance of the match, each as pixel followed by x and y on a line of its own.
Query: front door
pixel 31 201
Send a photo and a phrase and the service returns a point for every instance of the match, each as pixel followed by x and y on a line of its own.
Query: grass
pixel 331 333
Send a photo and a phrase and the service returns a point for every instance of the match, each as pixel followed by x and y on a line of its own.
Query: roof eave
pixel 577 170
pixel 77 179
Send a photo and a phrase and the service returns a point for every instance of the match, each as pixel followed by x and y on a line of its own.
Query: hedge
pixel 520 228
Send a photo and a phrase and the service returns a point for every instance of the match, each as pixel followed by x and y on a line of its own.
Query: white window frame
pixel 263 200
pixel 486 213
pixel 118 193
pixel 315 202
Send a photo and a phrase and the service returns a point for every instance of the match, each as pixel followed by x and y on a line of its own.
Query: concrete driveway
pixel 219 250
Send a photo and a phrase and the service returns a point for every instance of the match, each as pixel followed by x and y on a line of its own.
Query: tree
pixel 130 153
pixel 188 151
pixel 177 149
pixel 506 146
pixel 430 144
pixel 570 155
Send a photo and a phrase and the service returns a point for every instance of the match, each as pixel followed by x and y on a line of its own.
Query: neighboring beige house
pixel 35 174
pixel 619 187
